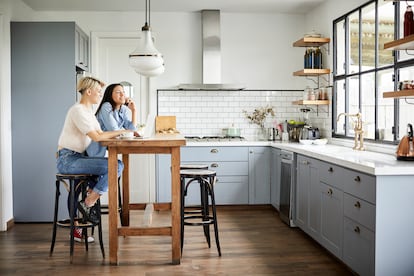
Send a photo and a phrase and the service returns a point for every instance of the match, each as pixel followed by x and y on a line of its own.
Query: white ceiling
pixel 273 6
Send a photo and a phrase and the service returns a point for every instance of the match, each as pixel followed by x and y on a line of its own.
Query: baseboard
pixel 10 224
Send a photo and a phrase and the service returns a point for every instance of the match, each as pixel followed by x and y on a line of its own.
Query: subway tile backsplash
pixel 206 113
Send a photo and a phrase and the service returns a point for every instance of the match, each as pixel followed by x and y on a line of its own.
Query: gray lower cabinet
pixel 336 207
pixel 275 166
pixel 259 175
pixel 43 87
pixel 308 204
pixel 230 163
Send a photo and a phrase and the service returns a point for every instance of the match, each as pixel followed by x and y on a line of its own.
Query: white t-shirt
pixel 79 121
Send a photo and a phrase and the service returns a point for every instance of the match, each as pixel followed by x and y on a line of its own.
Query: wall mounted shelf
pixel 406 43
pixel 311 72
pixel 398 94
pixel 311 42
pixel 317 102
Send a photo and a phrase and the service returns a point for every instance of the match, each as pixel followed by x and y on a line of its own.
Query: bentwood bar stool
pixel 199 215
pixel 72 183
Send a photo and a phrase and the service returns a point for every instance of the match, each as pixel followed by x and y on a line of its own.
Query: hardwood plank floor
pixel 253 242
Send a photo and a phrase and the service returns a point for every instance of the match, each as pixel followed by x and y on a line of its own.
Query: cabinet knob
pixel 357 204
pixel 330 169
pixel 357 179
pixel 214 150
pixel 305 162
pixel 330 192
pixel 214 165
pixel 357 230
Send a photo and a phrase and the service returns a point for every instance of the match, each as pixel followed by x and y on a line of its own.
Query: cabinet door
pixel 81 49
pixel 275 178
pixel 259 175
pixel 359 247
pixel 302 192
pixel 307 196
pixel 331 218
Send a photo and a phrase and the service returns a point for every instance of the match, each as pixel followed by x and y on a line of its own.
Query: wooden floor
pixel 253 242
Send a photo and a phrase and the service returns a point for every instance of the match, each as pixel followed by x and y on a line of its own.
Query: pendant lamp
pixel 145 59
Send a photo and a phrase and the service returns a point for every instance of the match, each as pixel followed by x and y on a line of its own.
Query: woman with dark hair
pixel 114 113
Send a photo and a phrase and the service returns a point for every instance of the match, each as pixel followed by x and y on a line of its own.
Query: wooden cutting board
pixel 165 123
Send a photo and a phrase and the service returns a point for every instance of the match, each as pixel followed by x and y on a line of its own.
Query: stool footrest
pixel 201 220
pixel 66 223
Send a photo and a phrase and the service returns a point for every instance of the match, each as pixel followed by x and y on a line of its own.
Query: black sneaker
pixel 89 213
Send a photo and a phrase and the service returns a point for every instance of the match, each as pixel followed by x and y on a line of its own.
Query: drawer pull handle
pixel 357 204
pixel 357 179
pixel 214 151
pixel 330 192
pixel 357 230
pixel 214 165
pixel 305 162
pixel 330 169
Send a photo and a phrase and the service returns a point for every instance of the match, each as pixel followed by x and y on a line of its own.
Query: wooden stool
pixel 76 181
pixel 199 215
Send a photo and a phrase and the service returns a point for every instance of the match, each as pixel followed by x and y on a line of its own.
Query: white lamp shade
pixel 151 73
pixel 145 57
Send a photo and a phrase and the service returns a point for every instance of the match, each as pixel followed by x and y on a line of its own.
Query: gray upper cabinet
pixel 82 49
pixel 43 87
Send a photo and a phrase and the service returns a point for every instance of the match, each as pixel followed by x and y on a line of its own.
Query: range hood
pixel 211 70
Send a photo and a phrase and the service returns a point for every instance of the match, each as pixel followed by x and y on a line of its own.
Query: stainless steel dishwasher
pixel 287 186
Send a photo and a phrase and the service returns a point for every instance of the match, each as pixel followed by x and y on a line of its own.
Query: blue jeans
pixel 72 162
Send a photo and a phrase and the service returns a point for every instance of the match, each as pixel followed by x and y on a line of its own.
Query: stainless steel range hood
pixel 211 71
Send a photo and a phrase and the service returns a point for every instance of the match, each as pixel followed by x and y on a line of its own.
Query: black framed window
pixel 363 70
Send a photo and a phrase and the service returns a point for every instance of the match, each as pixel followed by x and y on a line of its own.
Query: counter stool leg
pixel 100 230
pixel 213 207
pixel 182 212
pixel 204 209
pixel 72 216
pixel 57 194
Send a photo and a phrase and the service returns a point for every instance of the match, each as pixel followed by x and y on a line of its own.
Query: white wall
pixel 256 51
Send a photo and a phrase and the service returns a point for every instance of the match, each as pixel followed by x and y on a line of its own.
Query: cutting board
pixel 165 123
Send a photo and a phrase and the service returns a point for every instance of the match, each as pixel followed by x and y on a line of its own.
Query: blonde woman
pixel 80 128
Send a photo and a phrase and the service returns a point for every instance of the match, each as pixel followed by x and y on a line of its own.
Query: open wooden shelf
pixel 316 102
pixel 311 72
pixel 311 41
pixel 397 94
pixel 406 43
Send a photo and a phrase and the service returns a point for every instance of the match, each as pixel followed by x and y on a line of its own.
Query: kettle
pixel 405 150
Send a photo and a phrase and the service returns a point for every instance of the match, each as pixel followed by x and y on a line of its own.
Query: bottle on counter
pixel 408 21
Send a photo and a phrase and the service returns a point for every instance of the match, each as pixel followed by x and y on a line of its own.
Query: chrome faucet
pixel 359 133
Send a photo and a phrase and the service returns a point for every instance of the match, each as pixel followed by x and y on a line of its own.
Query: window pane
pixel 406 105
pixel 368 37
pixel 368 104
pixel 385 106
pixel 340 106
pixel 340 47
pixel 354 43
pixel 385 31
pixel 403 55
pixel 353 106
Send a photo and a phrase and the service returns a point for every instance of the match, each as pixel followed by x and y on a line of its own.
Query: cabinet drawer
pixel 360 185
pixel 226 168
pixel 331 174
pixel 214 154
pixel 359 248
pixel 359 210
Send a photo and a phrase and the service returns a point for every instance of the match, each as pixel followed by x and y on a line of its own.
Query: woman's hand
pixel 130 103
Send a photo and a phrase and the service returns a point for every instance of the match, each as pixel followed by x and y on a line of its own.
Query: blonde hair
pixel 89 83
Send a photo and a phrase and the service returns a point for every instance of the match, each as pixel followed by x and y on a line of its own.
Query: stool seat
pixel 76 182
pixel 199 215
pixel 198 172
pixel 193 166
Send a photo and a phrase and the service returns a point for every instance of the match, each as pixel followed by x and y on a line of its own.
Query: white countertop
pixel 365 161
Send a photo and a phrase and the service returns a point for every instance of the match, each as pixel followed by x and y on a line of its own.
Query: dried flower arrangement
pixel 259 115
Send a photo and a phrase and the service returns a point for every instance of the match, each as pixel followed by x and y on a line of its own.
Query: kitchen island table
pixel 165 144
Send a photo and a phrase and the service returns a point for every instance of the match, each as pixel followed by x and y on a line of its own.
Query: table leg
pixel 113 205
pixel 125 191
pixel 175 205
